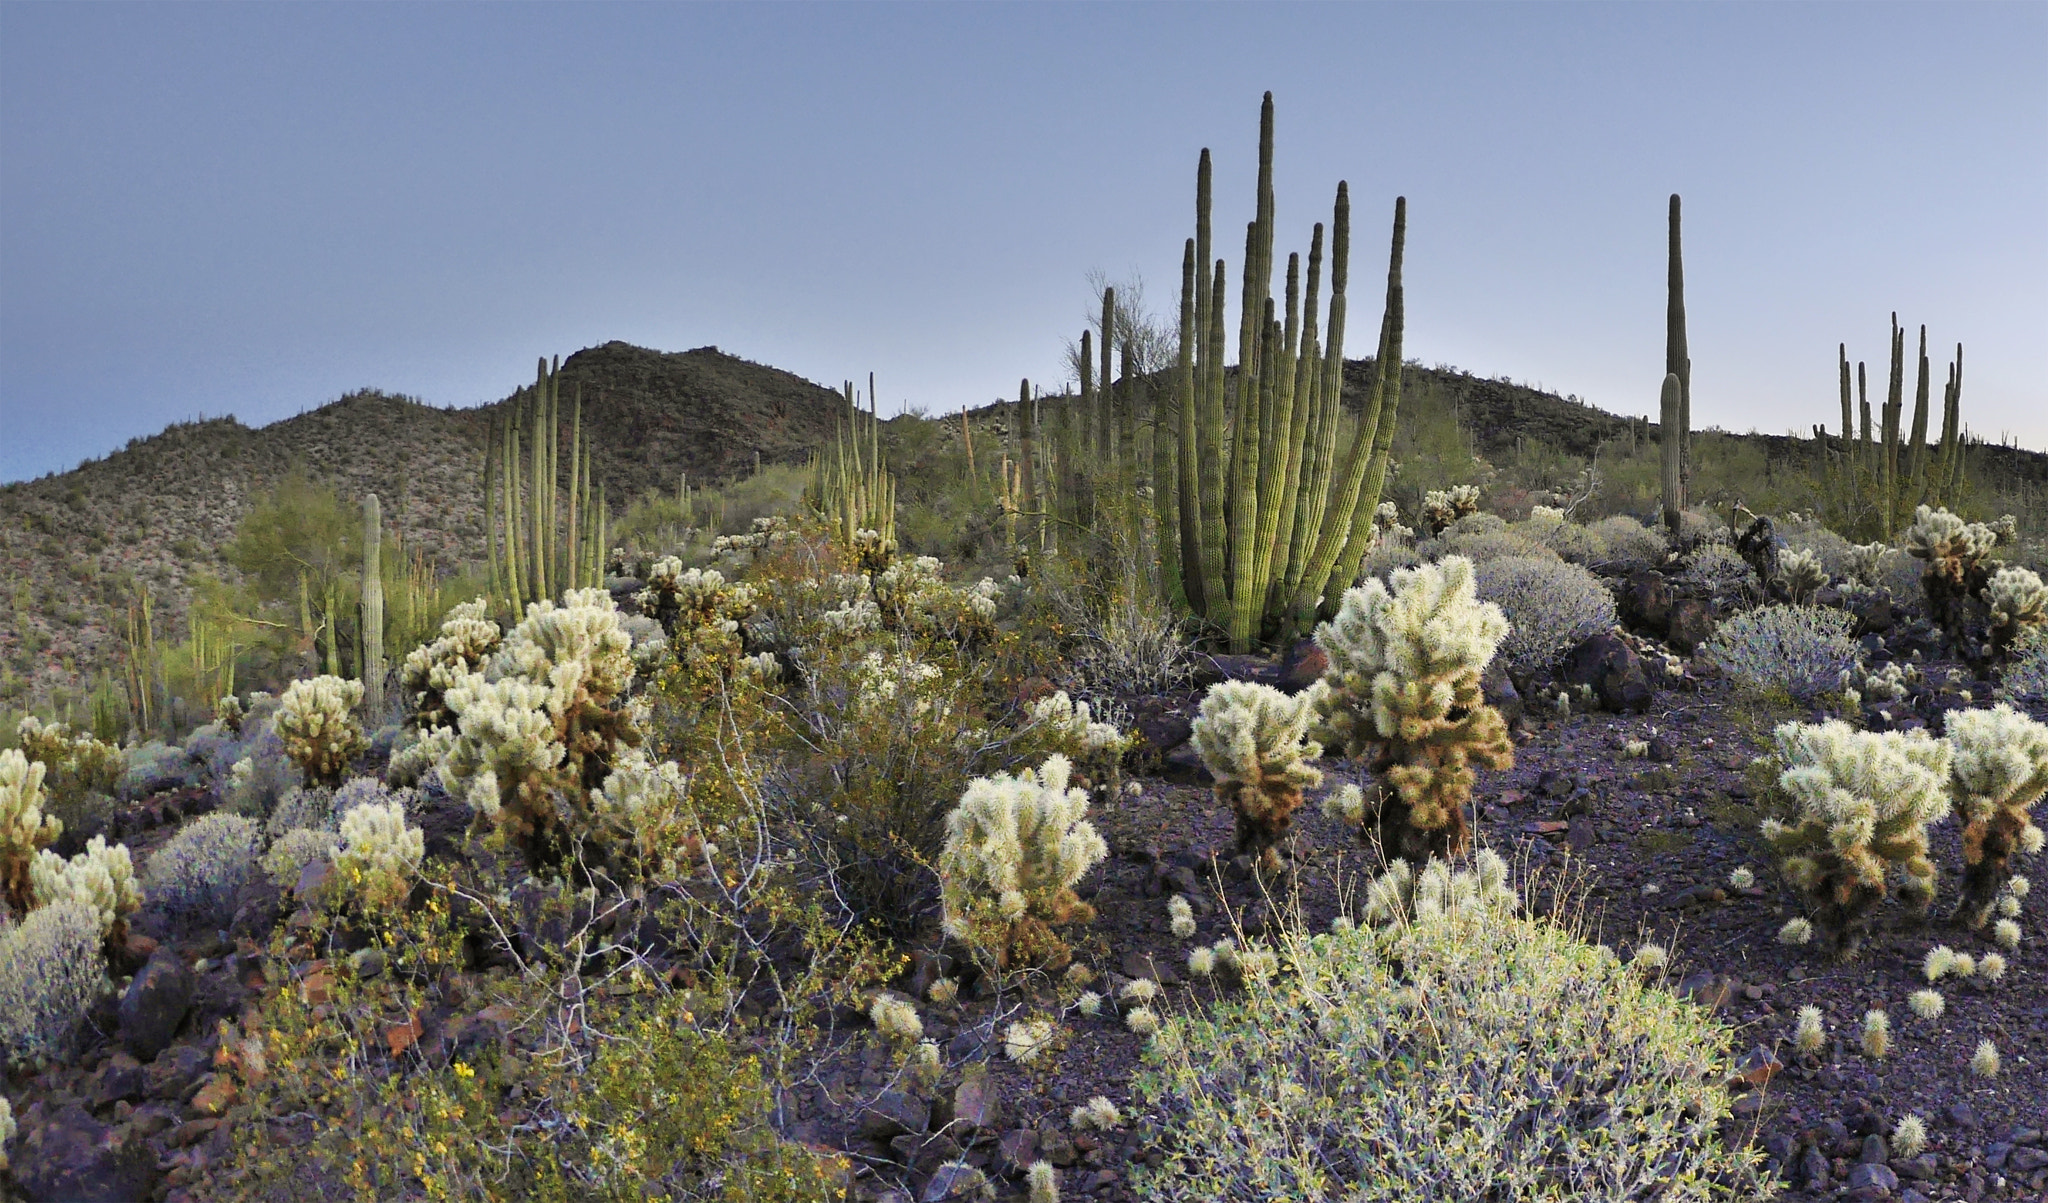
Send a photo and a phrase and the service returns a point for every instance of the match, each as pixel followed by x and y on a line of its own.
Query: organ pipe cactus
pixel 1677 362
pixel 1271 523
pixel 1999 771
pixel 373 609
pixel 1253 738
pixel 1862 802
pixel 851 486
pixel 1403 692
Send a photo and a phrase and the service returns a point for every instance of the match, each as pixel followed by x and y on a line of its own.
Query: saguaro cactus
pixel 1269 532
pixel 373 610
pixel 1677 362
pixel 1672 409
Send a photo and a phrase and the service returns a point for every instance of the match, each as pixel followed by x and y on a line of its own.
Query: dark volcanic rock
pixel 1501 693
pixel 1692 623
pixel 1646 602
pixel 76 1159
pixel 155 1004
pixel 1303 666
pixel 1604 662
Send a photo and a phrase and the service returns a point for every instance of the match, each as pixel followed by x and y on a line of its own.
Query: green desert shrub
pixel 1799 650
pixel 1721 576
pixel 1628 544
pixel 195 878
pixel 1551 606
pixel 51 973
pixel 1471 1053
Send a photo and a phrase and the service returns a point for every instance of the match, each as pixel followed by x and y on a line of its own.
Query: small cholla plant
pixel 227 713
pixel 1863 801
pixel 24 828
pixel 1097 748
pixel 1029 1041
pixel 896 1019
pixel 1985 1061
pixel 1955 552
pixel 698 609
pixel 1801 574
pixel 379 854
pixel 1811 1033
pixel 1877 1035
pixel 1014 848
pixel 1441 507
pixel 1999 771
pixel 1909 1137
pixel 543 727
pixel 1864 562
pixel 1097 1113
pixel 1403 690
pixel 101 878
pixel 1253 738
pixel 316 719
pixel 2017 603
pixel 1927 1004
pixel 467 640
pixel 77 765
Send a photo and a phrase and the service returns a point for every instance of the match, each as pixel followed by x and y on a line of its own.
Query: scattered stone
pixel 1016 1151
pixel 367 963
pixel 1499 690
pixel 894 1113
pixel 1961 1116
pixel 1756 1067
pixel 977 1105
pixel 1304 665
pixel 1692 623
pixel 957 1181
pixel 1607 664
pixel 1873 1180
pixel 215 1097
pixel 1707 990
pixel 1813 1171
pixel 122 1077
pixel 1874 1150
pixel 1054 1146
pixel 1144 964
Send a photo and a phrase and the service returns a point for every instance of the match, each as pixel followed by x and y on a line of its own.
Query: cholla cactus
pixel 102 878
pixel 77 765
pixel 24 828
pixel 379 853
pixel 227 713
pixel 1387 528
pixel 544 724
pixel 911 596
pixel 468 638
pixel 1441 507
pixel 1071 727
pixel 1999 771
pixel 1014 848
pixel 699 610
pixel 1863 804
pixel 1254 740
pixel 2017 602
pixel 1864 563
pixel 896 1019
pixel 1403 686
pixel 1955 552
pixel 316 719
pixel 1802 575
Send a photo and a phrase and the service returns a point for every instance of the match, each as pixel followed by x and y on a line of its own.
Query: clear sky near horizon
pixel 253 209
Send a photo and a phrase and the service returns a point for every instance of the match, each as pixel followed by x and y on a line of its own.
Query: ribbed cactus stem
pixel 1916 470
pixel 373 610
pixel 1677 358
pixel 1672 409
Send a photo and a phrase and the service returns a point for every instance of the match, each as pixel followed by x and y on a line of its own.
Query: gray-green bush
pixel 196 876
pixel 51 973
pixel 1801 650
pixel 1550 604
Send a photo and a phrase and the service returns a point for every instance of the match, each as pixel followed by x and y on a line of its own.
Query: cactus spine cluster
pixel 538 547
pixel 851 487
pixel 1271 525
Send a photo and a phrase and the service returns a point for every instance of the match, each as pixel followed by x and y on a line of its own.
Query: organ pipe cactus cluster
pixel 540 538
pixel 1014 848
pixel 1862 801
pixel 1271 522
pixel 1403 692
pixel 1876 478
pixel 851 486
pixel 1254 740
pixel 1999 771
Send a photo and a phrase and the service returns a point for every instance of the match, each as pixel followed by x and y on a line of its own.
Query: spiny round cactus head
pixel 1937 534
pixel 1862 783
pixel 1015 846
pixel 1430 627
pixel 2000 762
pixel 2016 598
pixel 1250 732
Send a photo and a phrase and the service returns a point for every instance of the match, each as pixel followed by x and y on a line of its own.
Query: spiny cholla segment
pixel 1863 800
pixel 2000 770
pixel 24 828
pixel 1441 507
pixel 696 606
pixel 1014 848
pixel 468 638
pixel 2017 602
pixel 1403 687
pixel 102 878
pixel 316 719
pixel 545 721
pixel 1254 740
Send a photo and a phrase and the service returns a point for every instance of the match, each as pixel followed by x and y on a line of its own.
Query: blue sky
pixel 252 209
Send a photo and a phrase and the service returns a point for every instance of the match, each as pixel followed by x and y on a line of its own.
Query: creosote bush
pixel 1264 1096
pixel 1861 805
pixel 1550 607
pixel 1403 691
pixel 1800 650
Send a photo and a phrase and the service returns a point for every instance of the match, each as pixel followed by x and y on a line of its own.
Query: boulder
pixel 155 1004
pixel 894 1113
pixel 76 1159
pixel 1303 665
pixel 1646 602
pixel 1690 623
pixel 1501 694
pixel 1607 664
